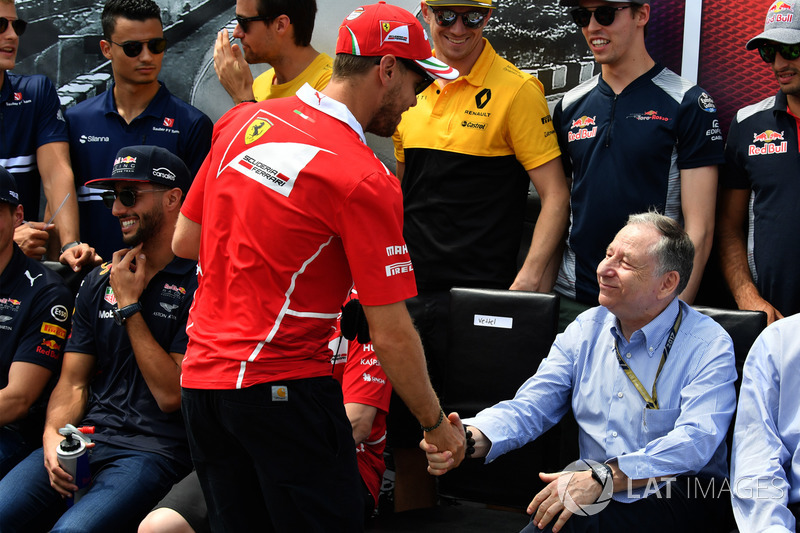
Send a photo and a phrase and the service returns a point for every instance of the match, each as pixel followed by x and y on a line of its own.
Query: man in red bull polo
pixel 121 367
pixel 315 210
pixel 758 219
pixel 634 137
pixel 34 321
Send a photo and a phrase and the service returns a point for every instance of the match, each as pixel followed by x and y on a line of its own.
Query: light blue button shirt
pixel 695 393
pixel 765 465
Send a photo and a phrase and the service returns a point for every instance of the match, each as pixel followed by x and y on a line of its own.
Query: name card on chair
pixel 488 321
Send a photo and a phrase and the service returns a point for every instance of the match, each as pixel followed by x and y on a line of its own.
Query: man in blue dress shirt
pixel 650 382
pixel 765 467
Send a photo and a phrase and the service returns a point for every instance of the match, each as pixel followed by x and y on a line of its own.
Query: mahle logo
pixel 581 465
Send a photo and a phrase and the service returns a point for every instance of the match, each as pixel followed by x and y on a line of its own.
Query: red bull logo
pixel 53 345
pixel 125 160
pixel 175 288
pixel 768 136
pixel 780 12
pixel 583 122
pixel 11 301
pixel 779 6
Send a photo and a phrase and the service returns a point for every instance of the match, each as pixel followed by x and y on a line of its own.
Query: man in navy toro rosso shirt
pixel 137 109
pixel 121 367
pixel 34 321
pixel 34 149
pixel 635 137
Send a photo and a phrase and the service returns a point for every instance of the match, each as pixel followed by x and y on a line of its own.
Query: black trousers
pixel 692 504
pixel 276 457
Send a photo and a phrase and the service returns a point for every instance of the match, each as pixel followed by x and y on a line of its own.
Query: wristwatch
pixel 601 473
pixel 121 315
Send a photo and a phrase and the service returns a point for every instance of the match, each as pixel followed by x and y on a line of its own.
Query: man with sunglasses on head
pixel 121 367
pixel 137 109
pixel 315 212
pixel 34 149
pixel 758 219
pixel 466 155
pixel 635 136
pixel 277 32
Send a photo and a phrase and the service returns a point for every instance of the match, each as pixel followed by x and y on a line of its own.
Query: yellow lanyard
pixel 650 402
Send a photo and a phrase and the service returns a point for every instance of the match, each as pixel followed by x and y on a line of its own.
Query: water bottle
pixel 74 459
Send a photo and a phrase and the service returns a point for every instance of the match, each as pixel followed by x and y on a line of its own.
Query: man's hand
pixel 127 279
pixel 60 480
pixel 79 256
pixel 32 237
pixel 232 70
pixel 450 438
pixel 755 302
pixel 581 488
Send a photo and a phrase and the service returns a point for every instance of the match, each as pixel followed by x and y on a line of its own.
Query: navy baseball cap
pixel 8 187
pixel 147 164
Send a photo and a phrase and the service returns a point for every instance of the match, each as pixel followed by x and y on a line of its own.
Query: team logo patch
pixel 275 165
pixel 256 130
pixel 17 97
pixel 778 12
pixel 169 122
pixel 393 31
pixel 583 126
pixel 771 142
pixel 109 296
pixel 105 268
pixel 648 115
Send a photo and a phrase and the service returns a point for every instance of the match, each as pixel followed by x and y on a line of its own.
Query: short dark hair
pixel 350 66
pixel 140 10
pixel 673 251
pixel 301 13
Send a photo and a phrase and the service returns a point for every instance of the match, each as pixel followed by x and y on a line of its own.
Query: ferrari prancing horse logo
pixel 256 129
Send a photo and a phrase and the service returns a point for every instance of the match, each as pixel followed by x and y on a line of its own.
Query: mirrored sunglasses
pixel 447 17
pixel 134 48
pixel 604 15
pixel 789 52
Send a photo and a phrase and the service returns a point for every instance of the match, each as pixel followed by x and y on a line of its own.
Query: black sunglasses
pixel 447 17
pixel 134 48
pixel 127 197
pixel 19 25
pixel 426 80
pixel 244 22
pixel 604 15
pixel 789 52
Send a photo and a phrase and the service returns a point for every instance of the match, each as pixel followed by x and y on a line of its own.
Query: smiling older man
pixel 650 382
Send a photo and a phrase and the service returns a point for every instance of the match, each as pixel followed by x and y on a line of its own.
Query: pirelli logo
pixel 399 268
pixel 52 329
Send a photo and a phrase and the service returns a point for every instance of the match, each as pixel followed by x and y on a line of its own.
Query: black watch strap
pixel 601 472
pixel 121 315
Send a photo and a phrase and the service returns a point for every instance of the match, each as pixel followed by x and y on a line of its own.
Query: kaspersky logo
pixel 582 125
pixel 769 143
pixel 780 12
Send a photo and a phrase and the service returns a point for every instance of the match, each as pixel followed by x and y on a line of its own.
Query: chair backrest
pixel 497 339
